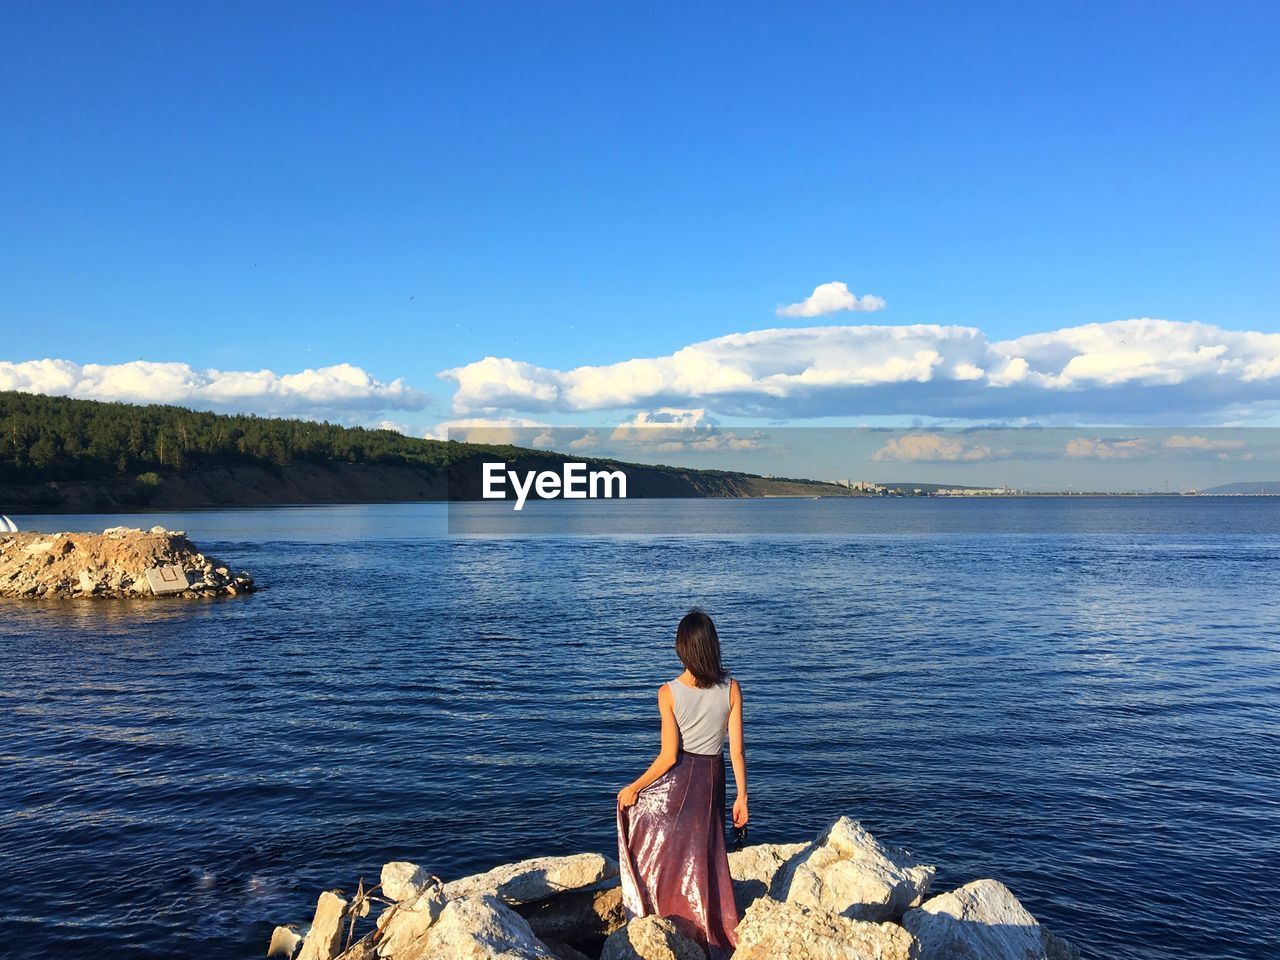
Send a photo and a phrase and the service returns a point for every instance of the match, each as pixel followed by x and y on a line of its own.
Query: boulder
pixel 651 938
pixel 771 930
pixel 536 879
pixel 847 871
pixel 324 939
pixel 580 918
pixel 562 951
pixel 284 942
pixel 982 919
pixel 403 924
pixel 753 869
pixel 476 928
pixel 402 880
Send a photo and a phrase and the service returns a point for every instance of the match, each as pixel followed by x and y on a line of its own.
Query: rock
pixel 407 922
pixel 847 871
pixel 1055 948
pixel 284 942
pixel 562 951
pixel 753 869
pixel 402 880
pixel 581 918
pixel 362 949
pixel 771 930
pixel 536 879
pixel 651 938
pixel 477 928
pixel 324 939
pixel 982 919
pixel 114 564
pixel 168 578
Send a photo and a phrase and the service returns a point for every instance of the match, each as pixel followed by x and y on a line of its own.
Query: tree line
pixel 60 438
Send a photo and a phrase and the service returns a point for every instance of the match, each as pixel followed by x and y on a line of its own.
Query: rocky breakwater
pixel 119 562
pixel 842 896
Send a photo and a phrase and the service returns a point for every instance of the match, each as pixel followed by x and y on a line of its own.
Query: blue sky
pixel 410 189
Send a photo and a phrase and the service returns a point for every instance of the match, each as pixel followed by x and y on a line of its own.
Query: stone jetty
pixel 121 562
pixel 842 896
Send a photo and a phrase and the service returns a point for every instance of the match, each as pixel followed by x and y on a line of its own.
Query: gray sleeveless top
pixel 702 714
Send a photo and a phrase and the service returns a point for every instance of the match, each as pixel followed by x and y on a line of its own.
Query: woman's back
pixel 702 714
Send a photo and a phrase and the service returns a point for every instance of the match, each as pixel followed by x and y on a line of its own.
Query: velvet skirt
pixel 672 856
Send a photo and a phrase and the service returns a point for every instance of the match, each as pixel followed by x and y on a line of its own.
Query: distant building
pixel 976 492
pixel 863 486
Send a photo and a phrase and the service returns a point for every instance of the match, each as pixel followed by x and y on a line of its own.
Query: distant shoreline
pixel 25 509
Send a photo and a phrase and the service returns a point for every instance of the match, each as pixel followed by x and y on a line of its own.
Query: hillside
pixel 64 455
pixel 1257 488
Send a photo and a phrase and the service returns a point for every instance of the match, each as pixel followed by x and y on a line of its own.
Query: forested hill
pixel 63 454
pixel 58 438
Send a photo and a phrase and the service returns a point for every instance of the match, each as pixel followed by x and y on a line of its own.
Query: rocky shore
pixel 842 896
pixel 120 562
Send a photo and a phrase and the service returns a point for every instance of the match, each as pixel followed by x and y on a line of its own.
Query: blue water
pixel 1078 697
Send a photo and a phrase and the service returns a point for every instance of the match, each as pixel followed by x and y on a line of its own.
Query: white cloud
pixel 929 447
pixel 1196 444
pixel 342 389
pixel 1174 446
pixel 1111 448
pixel 1135 369
pixel 831 297
pixel 671 429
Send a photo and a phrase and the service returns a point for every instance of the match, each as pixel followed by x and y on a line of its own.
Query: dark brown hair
pixel 698 648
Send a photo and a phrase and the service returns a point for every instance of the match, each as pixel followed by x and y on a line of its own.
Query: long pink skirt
pixel 672 856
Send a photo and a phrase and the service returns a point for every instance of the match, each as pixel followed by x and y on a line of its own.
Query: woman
pixel 671 848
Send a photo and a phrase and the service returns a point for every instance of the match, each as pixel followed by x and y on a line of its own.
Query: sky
pixel 423 215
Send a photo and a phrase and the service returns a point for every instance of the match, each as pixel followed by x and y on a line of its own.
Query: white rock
pixel 477 928
pixel 405 924
pixel 787 931
pixel 982 919
pixel 402 880
pixel 284 941
pixel 847 871
pixel 753 869
pixel 651 938
pixel 535 879
pixel 324 939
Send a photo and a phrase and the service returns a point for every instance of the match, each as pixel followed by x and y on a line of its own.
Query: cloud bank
pixel 1144 369
pixel 934 448
pixel 1145 448
pixel 342 389
pixel 831 298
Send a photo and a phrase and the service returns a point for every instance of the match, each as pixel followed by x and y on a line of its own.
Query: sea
pixel 1079 697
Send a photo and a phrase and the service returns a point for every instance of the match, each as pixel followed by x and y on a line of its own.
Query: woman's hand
pixel 627 797
pixel 740 815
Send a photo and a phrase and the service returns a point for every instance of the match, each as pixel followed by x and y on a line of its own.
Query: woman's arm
pixel 667 755
pixel 738 754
